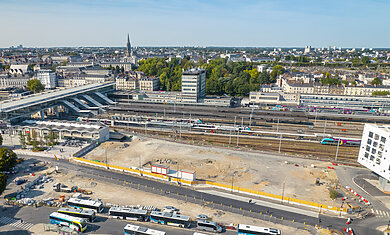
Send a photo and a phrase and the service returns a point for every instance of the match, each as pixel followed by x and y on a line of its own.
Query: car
pixel 204 217
pixel 170 209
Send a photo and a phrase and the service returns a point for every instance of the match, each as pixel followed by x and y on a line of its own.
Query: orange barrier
pixel 235 188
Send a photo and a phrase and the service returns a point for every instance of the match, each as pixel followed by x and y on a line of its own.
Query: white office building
pixel 193 85
pixel 375 152
pixel 48 78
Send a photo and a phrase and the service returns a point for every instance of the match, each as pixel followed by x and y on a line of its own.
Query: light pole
pixel 284 183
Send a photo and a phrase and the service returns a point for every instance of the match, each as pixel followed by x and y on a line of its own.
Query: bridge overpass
pixel 84 100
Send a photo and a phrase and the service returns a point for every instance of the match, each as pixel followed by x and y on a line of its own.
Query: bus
pixel 170 218
pixel 341 142
pixel 72 222
pixel 138 230
pixel 208 226
pixel 97 206
pixel 128 213
pixel 255 230
pixel 85 214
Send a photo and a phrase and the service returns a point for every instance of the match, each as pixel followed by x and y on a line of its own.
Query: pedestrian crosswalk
pixel 379 213
pixel 15 223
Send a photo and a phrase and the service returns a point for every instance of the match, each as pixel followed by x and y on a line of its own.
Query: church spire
pixel 128 47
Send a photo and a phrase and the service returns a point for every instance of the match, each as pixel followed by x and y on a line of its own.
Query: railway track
pixel 296 148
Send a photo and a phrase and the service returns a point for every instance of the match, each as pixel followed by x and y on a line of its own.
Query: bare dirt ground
pixel 254 171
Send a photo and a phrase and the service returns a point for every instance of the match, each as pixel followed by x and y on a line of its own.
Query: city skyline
pixel 217 23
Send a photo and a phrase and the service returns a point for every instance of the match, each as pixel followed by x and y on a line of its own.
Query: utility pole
pixel 280 143
pixel 230 138
pixel 235 117
pixel 250 118
pixel 325 127
pixel 238 136
pixel 277 126
pixel 232 181
pixel 180 130
pixel 337 150
pixel 242 121
pixel 284 183
pixel 145 126
pixel 106 158
pixel 164 112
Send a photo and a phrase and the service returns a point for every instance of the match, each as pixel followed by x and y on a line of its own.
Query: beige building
pixel 134 83
pixel 366 90
pixel 19 81
pixel 148 84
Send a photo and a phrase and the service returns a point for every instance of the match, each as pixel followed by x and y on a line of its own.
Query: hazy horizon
pixel 213 23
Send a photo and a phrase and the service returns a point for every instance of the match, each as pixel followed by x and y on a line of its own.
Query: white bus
pixel 80 213
pixel 130 229
pixel 97 206
pixel 255 230
pixel 208 226
pixel 128 213
pixel 72 222
pixel 170 219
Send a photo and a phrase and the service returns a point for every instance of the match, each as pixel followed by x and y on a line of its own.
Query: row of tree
pixel 38 145
pixel 222 77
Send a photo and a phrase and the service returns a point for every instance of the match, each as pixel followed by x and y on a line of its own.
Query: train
pixel 340 142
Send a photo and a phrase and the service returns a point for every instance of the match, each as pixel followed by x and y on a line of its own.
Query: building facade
pixel 13 81
pixel 48 78
pixel 193 85
pixel 375 152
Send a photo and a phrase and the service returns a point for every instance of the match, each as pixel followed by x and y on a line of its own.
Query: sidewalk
pixel 262 203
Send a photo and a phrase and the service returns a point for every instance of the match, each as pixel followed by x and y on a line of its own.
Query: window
pixel 380 154
pixel 366 155
pixel 383 139
pixel 373 151
pixel 381 147
pixel 372 157
pixel 368 148
pixel 375 144
pixel 369 141
pixel 370 134
pixel 376 137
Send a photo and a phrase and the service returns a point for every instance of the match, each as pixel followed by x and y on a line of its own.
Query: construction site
pixel 290 176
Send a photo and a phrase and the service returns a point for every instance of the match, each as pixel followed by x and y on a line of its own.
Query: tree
pixel 345 82
pixel 376 82
pixel 264 78
pixel 29 138
pixel 35 86
pixel 380 93
pixel 52 137
pixel 276 71
pixel 22 140
pixel 7 159
pixel 333 194
pixel 365 60
pixel 3 182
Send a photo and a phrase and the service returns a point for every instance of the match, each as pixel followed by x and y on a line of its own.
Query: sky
pixel 241 23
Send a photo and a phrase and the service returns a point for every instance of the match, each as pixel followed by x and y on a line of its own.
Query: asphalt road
pixel 171 190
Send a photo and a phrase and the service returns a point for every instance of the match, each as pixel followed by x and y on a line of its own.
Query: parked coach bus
pixel 130 229
pixel 80 213
pixel 170 219
pixel 97 206
pixel 72 222
pixel 128 213
pixel 255 230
